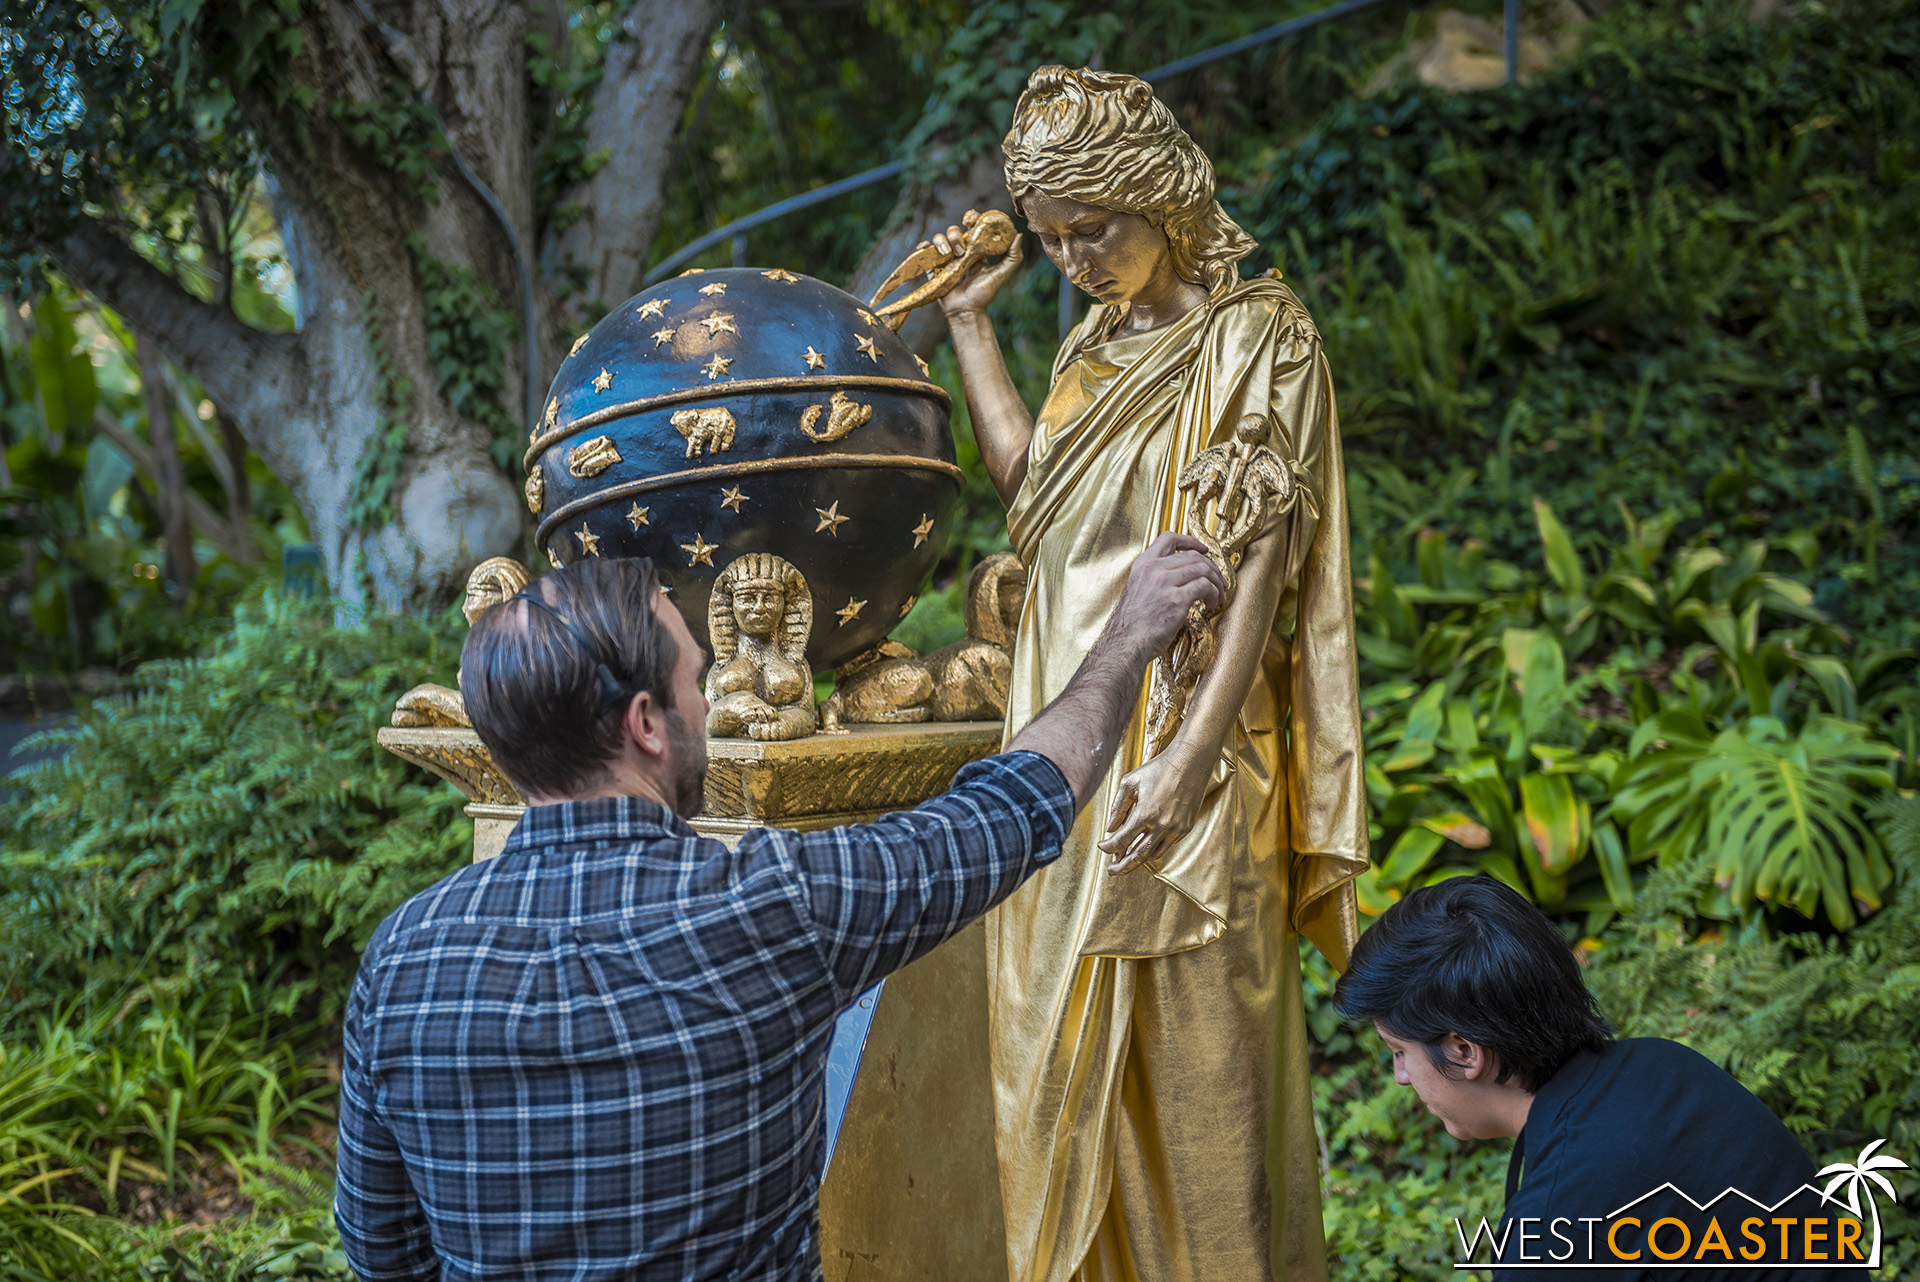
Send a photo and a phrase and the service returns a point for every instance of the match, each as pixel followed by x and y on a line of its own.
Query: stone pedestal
pixel 913 1191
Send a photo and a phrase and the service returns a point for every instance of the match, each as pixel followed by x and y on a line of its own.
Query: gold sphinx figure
pixel 491 582
pixel 758 620
pixel 965 681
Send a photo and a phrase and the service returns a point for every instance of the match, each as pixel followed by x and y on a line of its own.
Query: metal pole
pixel 1513 40
pixel 771 212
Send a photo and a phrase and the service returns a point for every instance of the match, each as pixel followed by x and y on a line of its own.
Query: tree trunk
pixel 239 490
pixel 650 73
pixel 398 488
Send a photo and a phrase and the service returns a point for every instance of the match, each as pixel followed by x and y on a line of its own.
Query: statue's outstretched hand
pixel 1153 807
pixel 974 292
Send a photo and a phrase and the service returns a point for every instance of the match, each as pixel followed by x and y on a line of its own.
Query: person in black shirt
pixel 1627 1152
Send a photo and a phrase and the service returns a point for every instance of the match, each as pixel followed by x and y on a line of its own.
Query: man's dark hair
pixel 533 678
pixel 1470 956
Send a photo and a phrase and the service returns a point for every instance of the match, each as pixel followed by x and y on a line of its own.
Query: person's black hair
pixel 547 674
pixel 1470 956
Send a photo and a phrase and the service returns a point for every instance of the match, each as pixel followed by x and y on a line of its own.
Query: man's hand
pixel 1080 731
pixel 1170 577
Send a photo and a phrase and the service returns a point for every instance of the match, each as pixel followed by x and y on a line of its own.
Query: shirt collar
pixel 598 819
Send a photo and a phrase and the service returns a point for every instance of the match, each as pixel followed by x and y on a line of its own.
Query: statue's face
pixel 757 608
pixel 481 597
pixel 1116 257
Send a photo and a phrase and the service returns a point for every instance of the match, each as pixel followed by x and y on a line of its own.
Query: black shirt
pixel 1648 1135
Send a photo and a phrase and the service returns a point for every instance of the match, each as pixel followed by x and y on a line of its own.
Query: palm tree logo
pixel 1856 1175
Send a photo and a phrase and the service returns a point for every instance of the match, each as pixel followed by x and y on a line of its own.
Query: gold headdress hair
pixel 1104 139
pixel 760 568
pixel 494 580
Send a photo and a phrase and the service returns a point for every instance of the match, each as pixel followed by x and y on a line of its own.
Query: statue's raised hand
pixel 978 287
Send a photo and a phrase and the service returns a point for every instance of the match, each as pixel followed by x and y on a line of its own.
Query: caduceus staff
pixel 1232 491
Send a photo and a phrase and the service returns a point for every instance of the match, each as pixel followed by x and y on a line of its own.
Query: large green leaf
pixel 1423 727
pixel 62 371
pixel 1782 815
pixel 1611 854
pixel 1558 820
pixel 1410 854
pixel 1563 563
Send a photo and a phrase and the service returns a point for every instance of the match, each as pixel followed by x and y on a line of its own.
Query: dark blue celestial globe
pixel 745 410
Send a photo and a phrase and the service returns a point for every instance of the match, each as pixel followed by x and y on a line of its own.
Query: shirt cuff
pixel 1036 786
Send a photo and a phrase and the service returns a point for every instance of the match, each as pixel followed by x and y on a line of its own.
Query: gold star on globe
pixel 714 290
pixel 637 516
pixel 922 531
pixel 850 611
pixel 552 559
pixel 782 275
pixel 662 336
pixel 717 366
pixel 815 360
pixel 924 369
pixel 907 609
pixel 603 381
pixel 866 316
pixel 733 498
pixel 720 323
pixel 867 349
pixel 693 271
pixel 699 552
pixel 652 307
pixel 578 343
pixel 830 519
pixel 553 412
pixel 589 541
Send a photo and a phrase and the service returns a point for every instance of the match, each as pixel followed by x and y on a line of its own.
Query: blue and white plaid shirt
pixel 600 1055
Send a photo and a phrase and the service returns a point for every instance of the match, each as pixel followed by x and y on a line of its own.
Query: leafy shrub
pixel 1672 732
pixel 233 816
pixel 1680 270
pixel 163 1101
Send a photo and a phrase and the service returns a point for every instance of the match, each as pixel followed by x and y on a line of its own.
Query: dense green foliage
pixel 1679 272
pixel 80 532
pixel 1691 724
pixel 233 817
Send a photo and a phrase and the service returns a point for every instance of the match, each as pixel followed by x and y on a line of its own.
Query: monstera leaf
pixel 1783 815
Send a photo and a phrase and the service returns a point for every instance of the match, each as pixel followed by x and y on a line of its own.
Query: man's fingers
pixel 1174 541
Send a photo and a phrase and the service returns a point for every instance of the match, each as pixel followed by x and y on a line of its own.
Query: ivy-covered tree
pixel 418 155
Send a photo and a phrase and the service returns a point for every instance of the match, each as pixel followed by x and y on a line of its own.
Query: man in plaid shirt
pixel 601 1054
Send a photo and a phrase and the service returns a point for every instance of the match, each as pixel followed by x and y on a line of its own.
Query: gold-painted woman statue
pixel 1148 1044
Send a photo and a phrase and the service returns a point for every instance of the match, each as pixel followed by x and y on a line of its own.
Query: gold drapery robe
pixel 1153 1112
